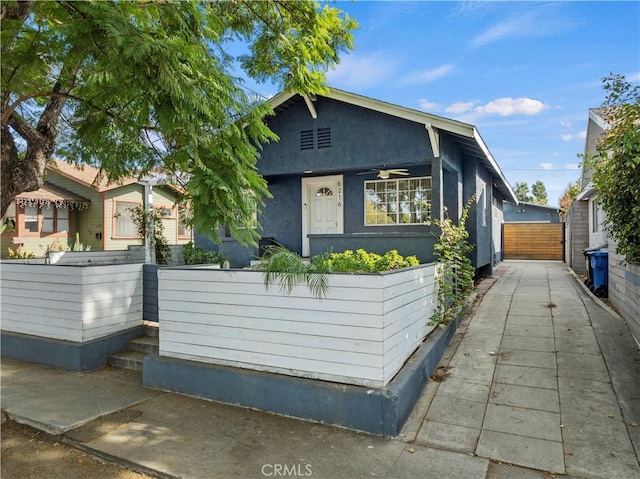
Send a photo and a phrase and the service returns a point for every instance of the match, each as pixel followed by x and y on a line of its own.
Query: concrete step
pixel 151 329
pixel 144 344
pixel 128 360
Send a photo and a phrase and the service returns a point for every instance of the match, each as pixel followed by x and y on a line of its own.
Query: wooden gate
pixel 533 241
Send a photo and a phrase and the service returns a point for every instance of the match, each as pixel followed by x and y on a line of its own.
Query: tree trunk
pixel 19 175
pixel 27 174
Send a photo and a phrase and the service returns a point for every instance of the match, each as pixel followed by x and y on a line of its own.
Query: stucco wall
pixel 360 139
pixel 527 212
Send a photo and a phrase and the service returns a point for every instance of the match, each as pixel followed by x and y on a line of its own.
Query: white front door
pixel 322 207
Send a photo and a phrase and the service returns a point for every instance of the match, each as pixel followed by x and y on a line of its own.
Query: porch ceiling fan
pixel 385 174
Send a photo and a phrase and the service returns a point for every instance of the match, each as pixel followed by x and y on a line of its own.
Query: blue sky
pixel 524 73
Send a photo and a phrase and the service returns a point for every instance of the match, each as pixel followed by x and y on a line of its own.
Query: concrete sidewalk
pixel 541 378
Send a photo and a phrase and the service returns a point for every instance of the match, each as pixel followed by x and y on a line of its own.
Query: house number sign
pixel 339 194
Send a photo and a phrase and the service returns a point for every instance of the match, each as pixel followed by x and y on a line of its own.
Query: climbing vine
pixel 454 272
pixel 160 243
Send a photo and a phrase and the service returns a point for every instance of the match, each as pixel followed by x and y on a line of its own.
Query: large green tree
pixel 131 86
pixel 521 191
pixel 617 165
pixel 539 193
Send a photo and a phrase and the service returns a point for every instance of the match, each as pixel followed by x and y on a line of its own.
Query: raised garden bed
pixel 69 316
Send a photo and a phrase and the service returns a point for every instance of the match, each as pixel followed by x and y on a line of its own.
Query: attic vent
pixel 324 137
pixel 306 140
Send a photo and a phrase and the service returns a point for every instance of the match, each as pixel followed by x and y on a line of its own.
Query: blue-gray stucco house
pixel 333 185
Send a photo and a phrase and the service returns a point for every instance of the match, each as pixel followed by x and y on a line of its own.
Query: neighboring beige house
pixel 77 199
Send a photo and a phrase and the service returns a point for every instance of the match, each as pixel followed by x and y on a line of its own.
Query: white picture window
pixel 402 201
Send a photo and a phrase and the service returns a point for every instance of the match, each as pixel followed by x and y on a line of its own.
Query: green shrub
pixel 455 273
pixel 278 263
pixel 197 255
pixel 363 262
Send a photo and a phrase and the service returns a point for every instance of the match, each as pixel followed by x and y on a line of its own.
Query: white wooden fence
pixel 361 333
pixel 73 303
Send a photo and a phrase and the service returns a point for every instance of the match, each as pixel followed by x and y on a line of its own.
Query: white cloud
pixel 581 135
pixel 427 105
pixel 460 107
pixel 428 76
pixel 546 166
pixel 565 124
pixel 512 106
pixel 360 71
pixel 538 21
pixel 633 77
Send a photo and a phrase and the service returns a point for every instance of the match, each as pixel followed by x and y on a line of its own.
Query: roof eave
pixel 427 119
pixel 494 164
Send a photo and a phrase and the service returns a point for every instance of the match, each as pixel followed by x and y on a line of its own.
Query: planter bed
pixel 72 317
pixel 361 333
pixel 356 358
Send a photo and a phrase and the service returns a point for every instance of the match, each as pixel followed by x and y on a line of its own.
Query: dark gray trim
pixel 67 355
pixel 150 292
pixel 377 411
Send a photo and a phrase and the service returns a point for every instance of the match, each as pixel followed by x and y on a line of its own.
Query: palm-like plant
pixel 287 267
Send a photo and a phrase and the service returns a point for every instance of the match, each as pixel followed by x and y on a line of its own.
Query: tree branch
pixel 23 128
pixel 11 108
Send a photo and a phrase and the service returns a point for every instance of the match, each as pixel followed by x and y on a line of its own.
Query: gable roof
pixel 464 135
pixel 92 177
pixel 87 176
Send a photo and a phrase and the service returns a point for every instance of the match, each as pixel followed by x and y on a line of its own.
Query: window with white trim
pixel 402 201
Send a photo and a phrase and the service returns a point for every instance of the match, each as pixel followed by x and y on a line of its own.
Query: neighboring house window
pixel 404 201
pixel 55 220
pixel 46 220
pixel 31 223
pixel 595 226
pixel 184 230
pixel 125 227
pixel 165 212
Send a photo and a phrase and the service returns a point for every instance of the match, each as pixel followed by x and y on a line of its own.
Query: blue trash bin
pixel 600 266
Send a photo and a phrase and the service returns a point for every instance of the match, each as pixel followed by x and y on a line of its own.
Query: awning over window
pixel 50 195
